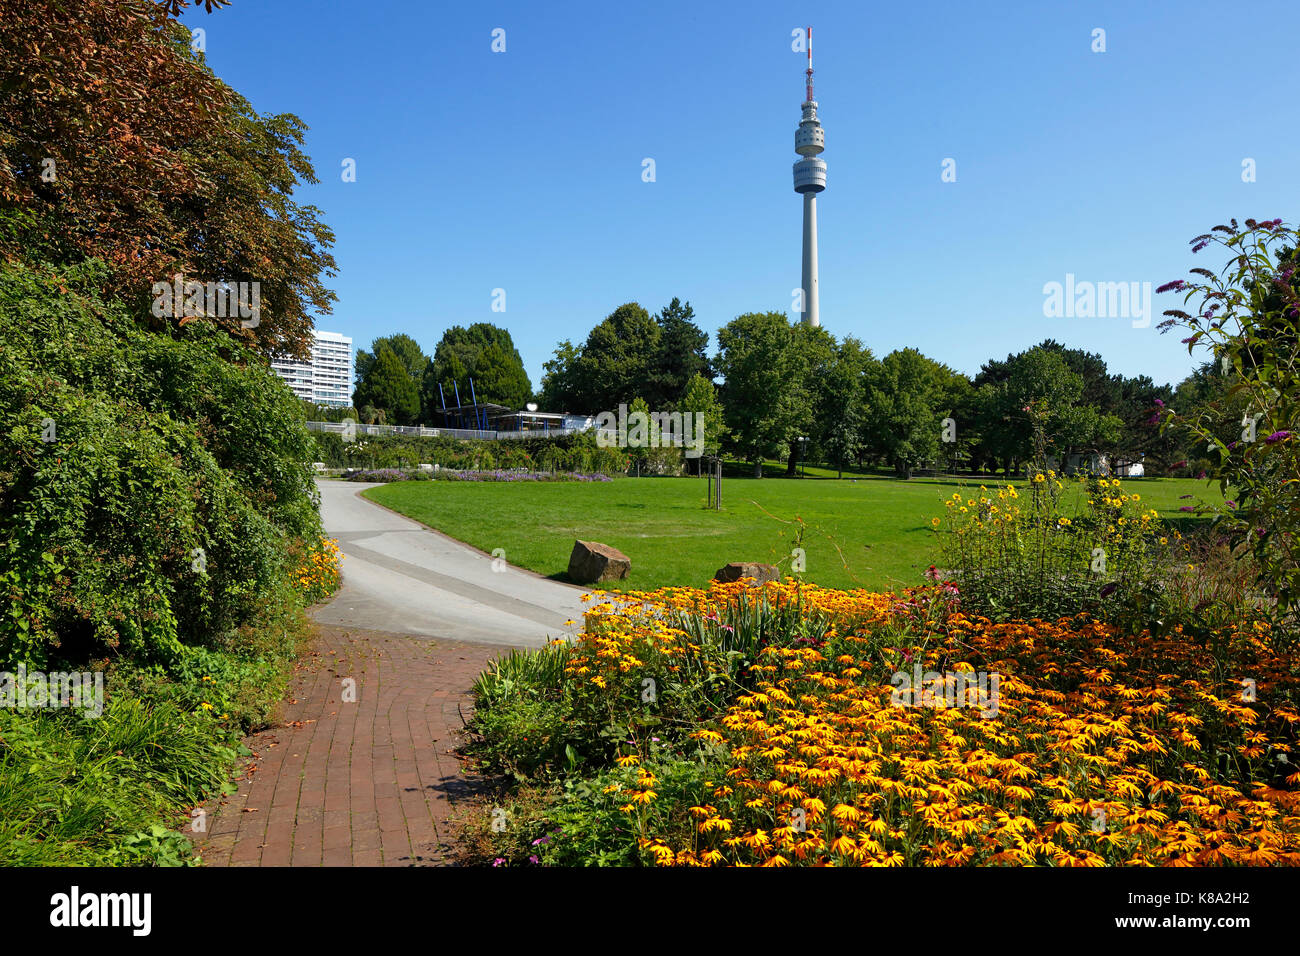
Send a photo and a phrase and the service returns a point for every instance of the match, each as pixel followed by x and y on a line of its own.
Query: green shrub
pixel 557 453
pixel 150 487
pixel 525 735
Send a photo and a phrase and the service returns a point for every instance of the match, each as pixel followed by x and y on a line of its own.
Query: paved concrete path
pixel 374 781
pixel 400 577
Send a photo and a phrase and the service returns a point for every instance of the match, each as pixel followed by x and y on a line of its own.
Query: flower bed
pixel 776 727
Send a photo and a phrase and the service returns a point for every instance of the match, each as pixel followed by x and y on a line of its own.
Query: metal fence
pixel 419 431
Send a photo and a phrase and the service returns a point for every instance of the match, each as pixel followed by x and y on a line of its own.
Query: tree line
pixel 777 389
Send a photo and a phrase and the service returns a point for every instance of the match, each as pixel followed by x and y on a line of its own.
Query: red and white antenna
pixel 810 93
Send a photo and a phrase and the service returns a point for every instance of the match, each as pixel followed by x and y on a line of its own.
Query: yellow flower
pixel 845 813
pixel 935 522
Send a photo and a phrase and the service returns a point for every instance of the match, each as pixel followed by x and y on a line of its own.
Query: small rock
pixel 761 573
pixel 592 562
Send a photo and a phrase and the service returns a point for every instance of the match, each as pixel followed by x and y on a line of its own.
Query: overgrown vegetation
pixel 158 524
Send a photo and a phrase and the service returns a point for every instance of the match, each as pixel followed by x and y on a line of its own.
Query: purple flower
pixel 1160 403
pixel 1200 245
pixel 533 859
pixel 1108 589
pixel 498 861
pixel 1186 508
pixel 1277 436
pixel 1175 286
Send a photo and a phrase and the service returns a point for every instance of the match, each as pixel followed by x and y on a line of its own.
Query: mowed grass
pixel 872 532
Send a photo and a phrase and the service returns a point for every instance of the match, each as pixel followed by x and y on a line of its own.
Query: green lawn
pixel 871 532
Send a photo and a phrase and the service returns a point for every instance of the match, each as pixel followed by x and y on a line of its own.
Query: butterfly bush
pixel 1247 315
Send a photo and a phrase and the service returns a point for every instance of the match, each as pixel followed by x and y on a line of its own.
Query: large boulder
pixel 761 573
pixel 592 562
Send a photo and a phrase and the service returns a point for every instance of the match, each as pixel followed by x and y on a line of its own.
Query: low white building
pixel 1097 465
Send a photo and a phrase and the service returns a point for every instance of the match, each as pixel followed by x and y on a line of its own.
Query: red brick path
pixel 355 784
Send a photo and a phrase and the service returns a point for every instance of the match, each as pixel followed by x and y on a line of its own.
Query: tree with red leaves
pixel 117 142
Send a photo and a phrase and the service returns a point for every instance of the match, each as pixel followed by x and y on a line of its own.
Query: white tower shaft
pixel 810 310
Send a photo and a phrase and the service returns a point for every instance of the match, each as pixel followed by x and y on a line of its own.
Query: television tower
pixel 809 179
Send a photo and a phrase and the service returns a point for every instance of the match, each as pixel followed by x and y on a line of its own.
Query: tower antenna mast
pixel 810 85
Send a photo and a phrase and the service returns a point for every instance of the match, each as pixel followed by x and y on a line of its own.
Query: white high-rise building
pixel 809 180
pixel 327 378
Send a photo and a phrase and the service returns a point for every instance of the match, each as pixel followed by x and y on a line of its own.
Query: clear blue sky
pixel 523 170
